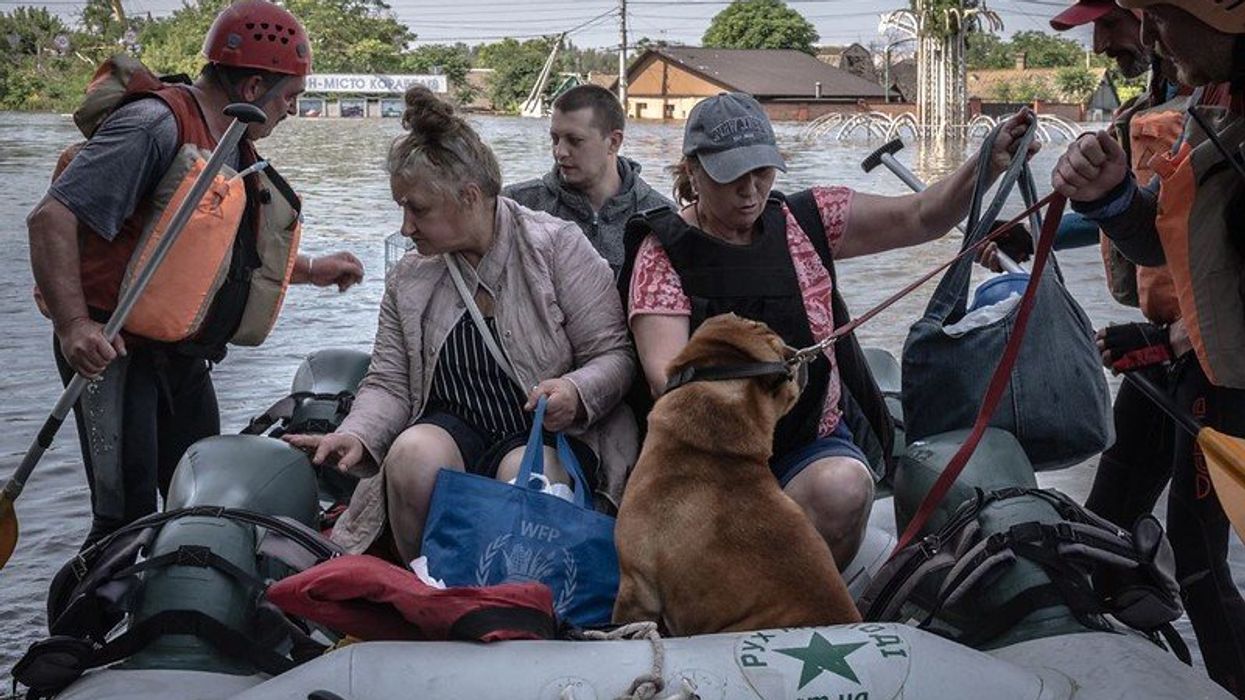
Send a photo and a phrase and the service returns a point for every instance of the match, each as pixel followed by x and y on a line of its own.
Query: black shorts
pixel 482 454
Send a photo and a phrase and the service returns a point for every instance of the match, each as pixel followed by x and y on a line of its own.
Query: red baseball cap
pixel 1083 12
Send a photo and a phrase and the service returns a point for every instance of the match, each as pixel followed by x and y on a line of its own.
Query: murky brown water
pixel 338 167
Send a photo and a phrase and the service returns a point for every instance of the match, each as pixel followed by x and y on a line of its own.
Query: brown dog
pixel 707 541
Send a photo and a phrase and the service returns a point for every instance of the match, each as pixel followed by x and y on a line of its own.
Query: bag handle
pixel 950 298
pixel 533 464
pixel 490 342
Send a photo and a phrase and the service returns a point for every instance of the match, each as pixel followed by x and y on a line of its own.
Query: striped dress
pixel 468 383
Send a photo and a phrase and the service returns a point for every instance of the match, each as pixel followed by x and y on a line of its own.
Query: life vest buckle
pixel 1001 540
pixel 79 566
pixel 1066 533
pixel 194 555
pixel 930 544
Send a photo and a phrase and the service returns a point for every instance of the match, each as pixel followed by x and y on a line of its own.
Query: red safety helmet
pixel 259 34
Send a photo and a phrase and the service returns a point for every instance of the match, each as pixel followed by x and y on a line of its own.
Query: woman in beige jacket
pixel 435 395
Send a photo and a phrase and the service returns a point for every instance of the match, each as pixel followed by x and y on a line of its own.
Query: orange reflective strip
pixel 1152 134
pixel 1176 198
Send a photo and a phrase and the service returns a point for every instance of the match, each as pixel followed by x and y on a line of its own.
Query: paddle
pixel 243 114
pixel 1225 454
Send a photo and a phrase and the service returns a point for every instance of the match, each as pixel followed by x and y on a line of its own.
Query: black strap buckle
pixel 997 542
pixel 1066 533
pixel 80 568
pixel 194 555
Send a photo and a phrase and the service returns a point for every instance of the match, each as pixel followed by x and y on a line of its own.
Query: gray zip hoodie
pixel 604 229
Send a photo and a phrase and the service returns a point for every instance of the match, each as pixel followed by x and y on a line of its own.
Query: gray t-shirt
pixel 120 165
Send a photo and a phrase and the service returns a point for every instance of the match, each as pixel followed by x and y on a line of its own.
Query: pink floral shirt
pixel 655 286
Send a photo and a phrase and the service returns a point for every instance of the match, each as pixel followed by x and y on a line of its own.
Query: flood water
pixel 337 166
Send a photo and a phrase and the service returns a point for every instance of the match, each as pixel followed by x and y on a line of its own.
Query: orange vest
pixel 241 233
pixel 104 262
pixel 1199 226
pixel 1151 132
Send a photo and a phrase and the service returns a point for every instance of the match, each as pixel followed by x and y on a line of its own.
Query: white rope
pixel 647 686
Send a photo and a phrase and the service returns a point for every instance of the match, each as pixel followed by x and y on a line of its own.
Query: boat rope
pixel 647 686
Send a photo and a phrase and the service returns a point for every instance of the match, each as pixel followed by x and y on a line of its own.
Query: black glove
pixel 1136 345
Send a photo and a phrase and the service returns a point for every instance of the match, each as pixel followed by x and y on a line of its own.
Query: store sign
pixel 373 84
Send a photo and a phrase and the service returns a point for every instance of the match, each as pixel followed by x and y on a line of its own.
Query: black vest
pixel 758 281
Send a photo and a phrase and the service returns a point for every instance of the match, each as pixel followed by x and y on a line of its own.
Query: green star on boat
pixel 820 655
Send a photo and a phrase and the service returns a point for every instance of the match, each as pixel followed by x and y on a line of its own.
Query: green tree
pixel 516 67
pixel 173 44
pixel 584 61
pixel 346 36
pixel 1032 88
pixel 1128 88
pixel 646 43
pixel 986 50
pixel 1004 91
pixel 28 31
pixel 40 66
pixel 760 24
pixel 352 35
pixel 451 60
pixel 1044 50
pixel 99 19
pixel 1076 84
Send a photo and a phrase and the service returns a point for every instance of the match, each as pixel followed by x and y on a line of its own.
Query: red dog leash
pixel 808 354
pixel 1002 373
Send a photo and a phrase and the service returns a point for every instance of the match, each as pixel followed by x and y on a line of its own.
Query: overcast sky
pixel 595 22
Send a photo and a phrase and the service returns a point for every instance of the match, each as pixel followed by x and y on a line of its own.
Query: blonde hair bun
pixel 428 115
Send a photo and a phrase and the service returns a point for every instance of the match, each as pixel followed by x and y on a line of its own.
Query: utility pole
pixel 119 11
pixel 622 53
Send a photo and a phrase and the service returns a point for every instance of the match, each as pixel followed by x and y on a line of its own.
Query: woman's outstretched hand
pixel 340 449
pixel 1008 139
pixel 563 405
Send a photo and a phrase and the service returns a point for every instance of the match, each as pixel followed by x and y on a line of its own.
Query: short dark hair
pixel 231 77
pixel 607 113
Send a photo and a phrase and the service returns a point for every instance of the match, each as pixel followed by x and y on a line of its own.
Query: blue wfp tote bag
pixel 1056 403
pixel 481 532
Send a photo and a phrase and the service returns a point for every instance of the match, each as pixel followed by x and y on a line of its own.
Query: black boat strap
pixel 227 641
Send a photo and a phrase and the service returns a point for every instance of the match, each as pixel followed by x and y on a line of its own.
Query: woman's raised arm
pixel 878 223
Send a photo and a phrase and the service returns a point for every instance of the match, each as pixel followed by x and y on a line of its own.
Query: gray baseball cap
pixel 731 136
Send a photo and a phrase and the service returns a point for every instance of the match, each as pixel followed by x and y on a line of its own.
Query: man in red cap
pixel 1181 208
pixel 1117 33
pixel 152 397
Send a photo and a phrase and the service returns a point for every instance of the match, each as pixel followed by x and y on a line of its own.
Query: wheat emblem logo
pixel 523 563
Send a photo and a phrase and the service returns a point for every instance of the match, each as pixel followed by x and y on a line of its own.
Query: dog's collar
pixel 724 372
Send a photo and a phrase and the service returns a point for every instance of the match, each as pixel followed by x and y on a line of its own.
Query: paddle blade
pixel 1225 460
pixel 8 529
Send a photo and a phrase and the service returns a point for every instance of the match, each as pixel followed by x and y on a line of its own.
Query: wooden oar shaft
pixel 243 116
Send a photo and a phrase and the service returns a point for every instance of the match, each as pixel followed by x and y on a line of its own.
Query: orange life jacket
pixel 1150 131
pixel 243 235
pixel 1199 226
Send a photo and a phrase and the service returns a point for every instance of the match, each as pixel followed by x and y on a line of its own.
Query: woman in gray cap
pixel 735 248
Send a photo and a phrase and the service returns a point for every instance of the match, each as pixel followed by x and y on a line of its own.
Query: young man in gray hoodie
pixel 590 183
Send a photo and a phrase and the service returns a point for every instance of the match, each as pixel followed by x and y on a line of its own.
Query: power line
pixel 489 25
pixel 579 27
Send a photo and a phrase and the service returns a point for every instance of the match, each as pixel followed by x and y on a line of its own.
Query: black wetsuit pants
pixel 169 404
pixel 1149 449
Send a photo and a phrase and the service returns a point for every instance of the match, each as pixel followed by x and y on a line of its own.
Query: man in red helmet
pixel 153 398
